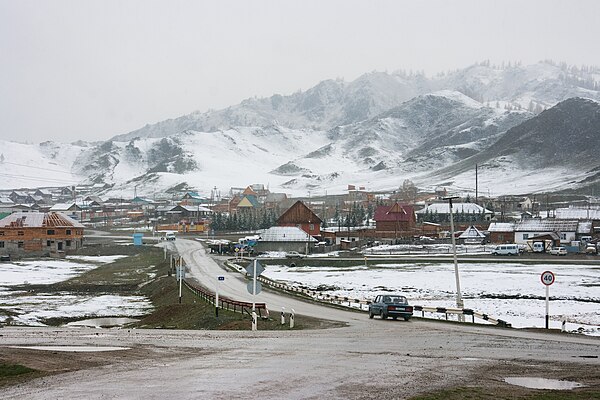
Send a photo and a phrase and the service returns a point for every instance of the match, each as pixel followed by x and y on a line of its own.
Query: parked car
pixel 390 306
pixel 293 254
pixel 506 250
pixel 591 249
pixel 558 251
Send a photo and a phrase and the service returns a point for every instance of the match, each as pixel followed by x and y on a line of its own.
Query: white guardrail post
pixel 292 318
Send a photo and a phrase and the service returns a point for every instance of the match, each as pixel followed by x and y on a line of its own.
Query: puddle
pixel 103 322
pixel 77 349
pixel 542 383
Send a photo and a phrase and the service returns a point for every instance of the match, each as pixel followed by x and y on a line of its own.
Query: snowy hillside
pixel 38 165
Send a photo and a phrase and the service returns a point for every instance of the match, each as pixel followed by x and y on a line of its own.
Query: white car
pixel 293 254
pixel 558 251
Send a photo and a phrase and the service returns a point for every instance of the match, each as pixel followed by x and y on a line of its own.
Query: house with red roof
pixel 395 221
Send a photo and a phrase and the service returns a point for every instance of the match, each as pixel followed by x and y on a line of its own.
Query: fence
pixel 226 303
pixel 363 305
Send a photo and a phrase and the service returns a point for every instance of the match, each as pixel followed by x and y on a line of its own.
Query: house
pixel 472 235
pixel 273 200
pixel 395 220
pixel 284 238
pixel 462 212
pixel 191 199
pixel 502 232
pixel 249 200
pixel 18 197
pixel 45 193
pixel 565 229
pixel 300 216
pixel 41 233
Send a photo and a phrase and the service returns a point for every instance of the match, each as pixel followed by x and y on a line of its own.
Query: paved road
pixel 368 359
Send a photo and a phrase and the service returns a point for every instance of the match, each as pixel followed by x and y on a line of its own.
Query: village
pixel 52 221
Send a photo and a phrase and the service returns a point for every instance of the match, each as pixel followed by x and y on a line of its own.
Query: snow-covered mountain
pixel 375 131
pixel 333 103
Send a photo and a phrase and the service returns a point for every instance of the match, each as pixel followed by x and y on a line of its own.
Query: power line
pixel 31 166
pixel 38 179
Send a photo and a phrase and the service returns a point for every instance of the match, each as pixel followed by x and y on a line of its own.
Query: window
pixel 20 233
pixel 563 236
pixel 68 243
pixel 50 231
pixel 525 236
pixel 311 227
pixel 1 233
pixel 68 232
pixel 1 245
pixel 48 243
pixel 20 245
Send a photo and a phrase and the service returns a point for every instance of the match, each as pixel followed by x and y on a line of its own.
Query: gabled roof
pixel 299 213
pixel 38 220
pixel 65 207
pixel 546 225
pixel 249 192
pixel 394 213
pixel 285 234
pixel 471 233
pixel 248 201
pixel 501 227
pixel 577 213
pixel 444 208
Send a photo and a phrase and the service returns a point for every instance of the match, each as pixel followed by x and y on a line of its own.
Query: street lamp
pixel 459 301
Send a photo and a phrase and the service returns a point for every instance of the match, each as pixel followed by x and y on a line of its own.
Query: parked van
pixel 506 250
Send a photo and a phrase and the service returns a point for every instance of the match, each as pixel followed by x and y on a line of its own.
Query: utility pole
pixel 459 301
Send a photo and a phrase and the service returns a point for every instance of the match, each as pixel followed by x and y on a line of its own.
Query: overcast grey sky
pixel 89 70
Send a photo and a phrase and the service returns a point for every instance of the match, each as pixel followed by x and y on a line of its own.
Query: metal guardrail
pixel 352 303
pixel 226 303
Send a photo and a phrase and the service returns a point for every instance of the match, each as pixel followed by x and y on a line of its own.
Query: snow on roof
pixel 38 220
pixel 584 227
pixel 62 206
pixel 471 233
pixel 546 225
pixel 194 208
pixel 501 227
pixel 285 234
pixel 577 213
pixel 443 208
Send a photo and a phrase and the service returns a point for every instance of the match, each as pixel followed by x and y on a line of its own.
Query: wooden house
pixel 395 220
pixel 299 215
pixel 43 233
pixel 502 232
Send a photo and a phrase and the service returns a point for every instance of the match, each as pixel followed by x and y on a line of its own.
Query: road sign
pixel 180 272
pixel 259 268
pixel 547 278
pixel 251 287
pixel 221 278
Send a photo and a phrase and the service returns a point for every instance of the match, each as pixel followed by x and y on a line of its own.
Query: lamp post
pixel 459 301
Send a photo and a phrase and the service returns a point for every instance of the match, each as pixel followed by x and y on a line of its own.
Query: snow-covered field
pixel 509 291
pixel 31 309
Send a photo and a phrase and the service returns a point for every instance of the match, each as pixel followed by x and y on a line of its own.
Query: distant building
pixel 502 232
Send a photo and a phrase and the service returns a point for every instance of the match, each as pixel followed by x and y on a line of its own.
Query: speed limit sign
pixel 547 278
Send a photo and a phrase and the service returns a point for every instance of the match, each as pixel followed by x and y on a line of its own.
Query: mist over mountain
pixel 375 131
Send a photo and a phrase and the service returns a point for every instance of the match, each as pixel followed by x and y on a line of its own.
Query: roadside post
pixel 282 315
pixel 180 275
pixel 219 279
pixel 292 318
pixel 254 287
pixel 547 278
